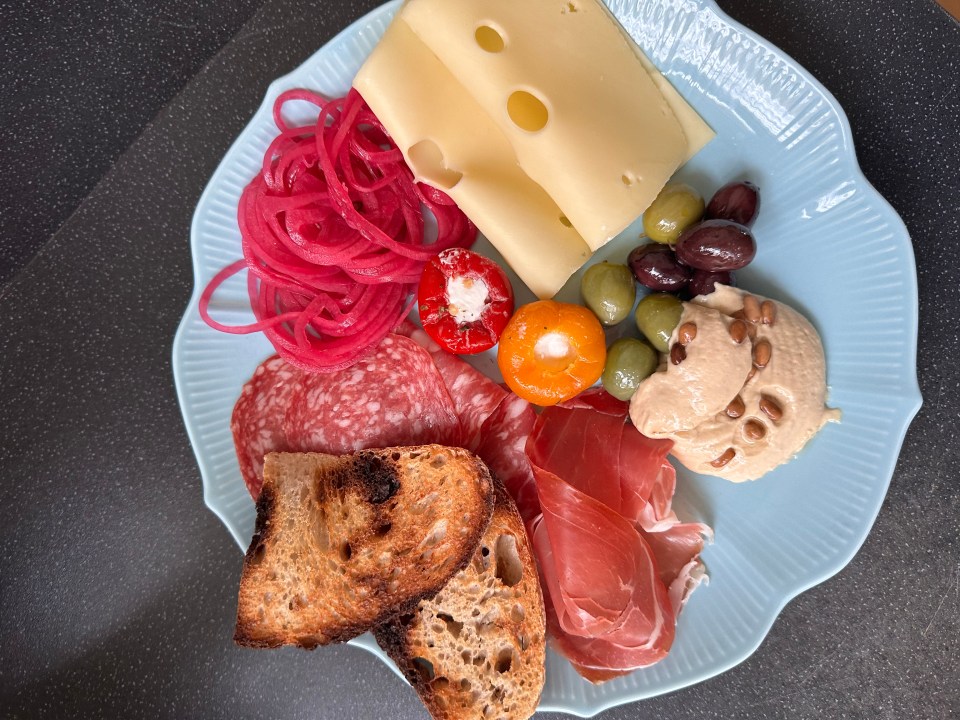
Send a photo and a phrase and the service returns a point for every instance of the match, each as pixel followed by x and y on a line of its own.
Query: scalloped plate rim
pixel 908 403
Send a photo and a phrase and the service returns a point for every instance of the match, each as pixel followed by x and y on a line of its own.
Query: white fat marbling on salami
pixel 410 391
pixel 397 398
pixel 474 395
pixel 501 446
pixel 257 420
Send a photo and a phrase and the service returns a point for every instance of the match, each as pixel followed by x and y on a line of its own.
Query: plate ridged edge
pixel 566 687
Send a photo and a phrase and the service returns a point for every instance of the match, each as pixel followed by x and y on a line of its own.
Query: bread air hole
pixel 453 627
pixel 298 602
pixel 345 551
pixel 504 660
pixel 509 566
pixel 424 668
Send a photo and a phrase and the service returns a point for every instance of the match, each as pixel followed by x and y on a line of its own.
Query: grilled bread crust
pixel 343 544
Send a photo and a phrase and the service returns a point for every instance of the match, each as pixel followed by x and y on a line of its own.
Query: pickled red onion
pixel 333 234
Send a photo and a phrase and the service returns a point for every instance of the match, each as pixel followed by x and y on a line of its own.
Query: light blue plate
pixel 828 244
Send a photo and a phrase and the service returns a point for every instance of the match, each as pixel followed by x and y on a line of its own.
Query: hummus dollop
pixel 749 392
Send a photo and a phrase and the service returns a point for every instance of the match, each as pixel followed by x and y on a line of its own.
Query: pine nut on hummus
pixel 749 393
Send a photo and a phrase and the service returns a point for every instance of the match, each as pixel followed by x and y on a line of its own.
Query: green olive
pixel 676 208
pixel 609 291
pixel 629 361
pixel 657 315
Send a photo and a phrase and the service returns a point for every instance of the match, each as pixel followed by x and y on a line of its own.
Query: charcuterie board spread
pixel 473 519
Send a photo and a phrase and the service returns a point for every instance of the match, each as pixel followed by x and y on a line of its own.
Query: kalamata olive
pixel 657 315
pixel 629 362
pixel 738 202
pixel 656 267
pixel 676 208
pixel 609 291
pixel 716 245
pixel 703 282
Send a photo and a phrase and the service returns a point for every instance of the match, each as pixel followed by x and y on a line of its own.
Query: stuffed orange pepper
pixel 551 351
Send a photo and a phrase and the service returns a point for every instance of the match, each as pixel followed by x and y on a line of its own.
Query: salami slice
pixel 501 446
pixel 257 420
pixel 394 397
pixel 474 395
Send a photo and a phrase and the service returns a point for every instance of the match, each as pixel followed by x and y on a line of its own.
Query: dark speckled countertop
pixel 118 587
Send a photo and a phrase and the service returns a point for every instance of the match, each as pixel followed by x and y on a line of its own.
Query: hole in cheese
pixel 627 179
pixel 527 111
pixel 426 159
pixel 489 39
pixel 565 221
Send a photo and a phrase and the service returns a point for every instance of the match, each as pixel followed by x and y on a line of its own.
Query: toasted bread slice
pixel 476 650
pixel 344 543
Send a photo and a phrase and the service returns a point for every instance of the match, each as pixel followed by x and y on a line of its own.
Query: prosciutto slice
pixel 617 564
pixel 618 599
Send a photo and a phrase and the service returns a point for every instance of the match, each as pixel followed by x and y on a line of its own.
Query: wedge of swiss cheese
pixel 543 121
